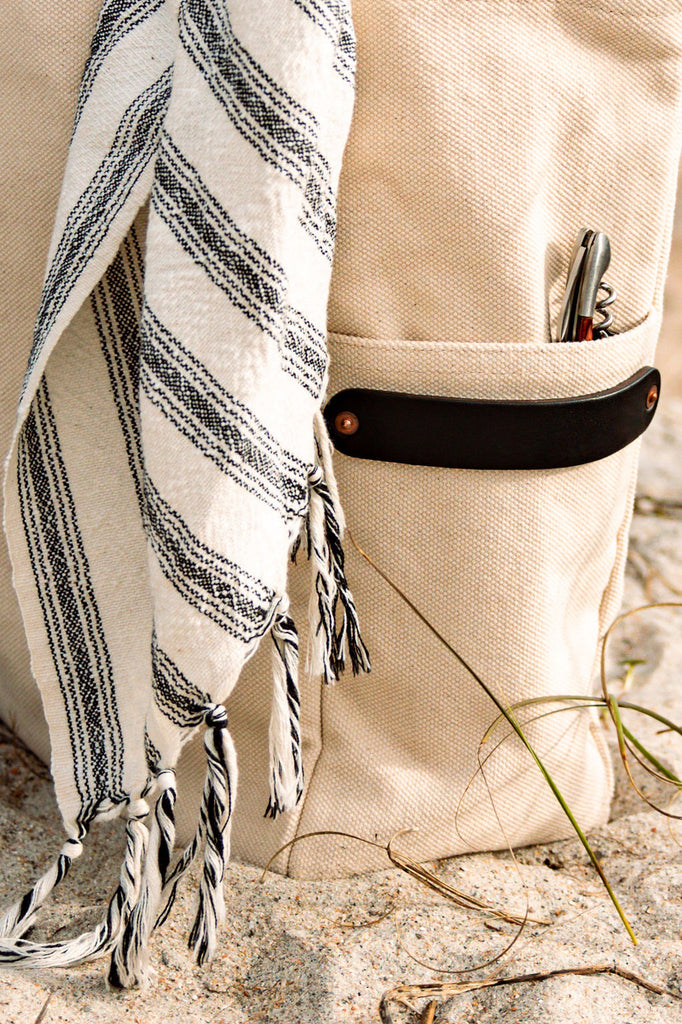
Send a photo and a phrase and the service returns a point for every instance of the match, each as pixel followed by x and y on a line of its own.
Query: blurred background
pixel 669 354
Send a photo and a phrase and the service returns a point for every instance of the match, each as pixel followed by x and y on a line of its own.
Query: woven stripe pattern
pixel 169 430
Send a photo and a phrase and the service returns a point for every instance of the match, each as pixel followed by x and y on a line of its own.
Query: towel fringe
pixel 326 523
pixel 22 915
pixel 322 659
pixel 185 861
pixel 286 765
pixel 215 820
pixel 130 959
pixel 23 953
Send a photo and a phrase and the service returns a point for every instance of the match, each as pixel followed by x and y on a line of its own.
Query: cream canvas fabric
pixel 35 141
pixel 475 153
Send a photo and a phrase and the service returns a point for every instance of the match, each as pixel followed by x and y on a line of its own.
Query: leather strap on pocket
pixel 461 433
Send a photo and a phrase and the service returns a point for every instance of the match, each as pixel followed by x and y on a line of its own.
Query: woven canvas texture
pixel 39 98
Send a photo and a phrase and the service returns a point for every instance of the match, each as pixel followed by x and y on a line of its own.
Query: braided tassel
pixel 97 942
pixel 286 765
pixel 326 524
pixel 322 657
pixel 175 877
pixel 325 529
pixel 215 818
pixel 130 959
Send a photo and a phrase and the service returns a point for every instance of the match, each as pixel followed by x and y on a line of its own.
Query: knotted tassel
pixel 129 964
pixel 215 820
pixel 130 959
pixel 23 953
pixel 327 654
pixel 286 765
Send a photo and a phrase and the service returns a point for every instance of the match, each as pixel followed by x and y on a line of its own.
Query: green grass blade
pixel 650 757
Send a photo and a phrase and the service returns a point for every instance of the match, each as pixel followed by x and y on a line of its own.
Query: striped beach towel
pixel 170 452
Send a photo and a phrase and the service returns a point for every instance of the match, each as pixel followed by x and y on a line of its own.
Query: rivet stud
pixel 346 423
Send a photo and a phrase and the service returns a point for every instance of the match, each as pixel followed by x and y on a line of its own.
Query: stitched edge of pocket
pixel 511 370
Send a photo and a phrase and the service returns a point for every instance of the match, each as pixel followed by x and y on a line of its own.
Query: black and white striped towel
pixel 170 447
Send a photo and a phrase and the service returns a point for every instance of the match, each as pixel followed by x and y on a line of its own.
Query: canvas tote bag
pixel 477 150
pixel 474 156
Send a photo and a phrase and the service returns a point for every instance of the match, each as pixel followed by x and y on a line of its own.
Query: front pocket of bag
pixel 517 569
pixel 563 503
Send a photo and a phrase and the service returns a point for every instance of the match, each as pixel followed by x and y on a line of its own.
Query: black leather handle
pixel 462 433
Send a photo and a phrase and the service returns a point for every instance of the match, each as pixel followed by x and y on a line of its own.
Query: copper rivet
pixel 652 397
pixel 346 422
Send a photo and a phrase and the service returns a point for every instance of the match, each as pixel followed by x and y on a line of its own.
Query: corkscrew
pixel 603 328
pixel 589 262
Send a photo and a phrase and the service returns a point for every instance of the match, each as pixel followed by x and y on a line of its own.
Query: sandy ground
pixel 314 953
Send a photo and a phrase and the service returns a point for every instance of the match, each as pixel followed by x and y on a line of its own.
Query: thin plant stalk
pixel 616 622
pixel 598 701
pixel 508 714
pixel 659 771
pixel 416 871
pixel 665 773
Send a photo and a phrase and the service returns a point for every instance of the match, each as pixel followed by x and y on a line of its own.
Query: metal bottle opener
pixel 589 261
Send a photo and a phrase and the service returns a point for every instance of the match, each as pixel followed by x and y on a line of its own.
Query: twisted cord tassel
pixel 185 861
pixel 130 959
pixel 286 763
pixel 325 528
pixel 22 915
pixel 322 658
pixel 23 953
pixel 215 820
